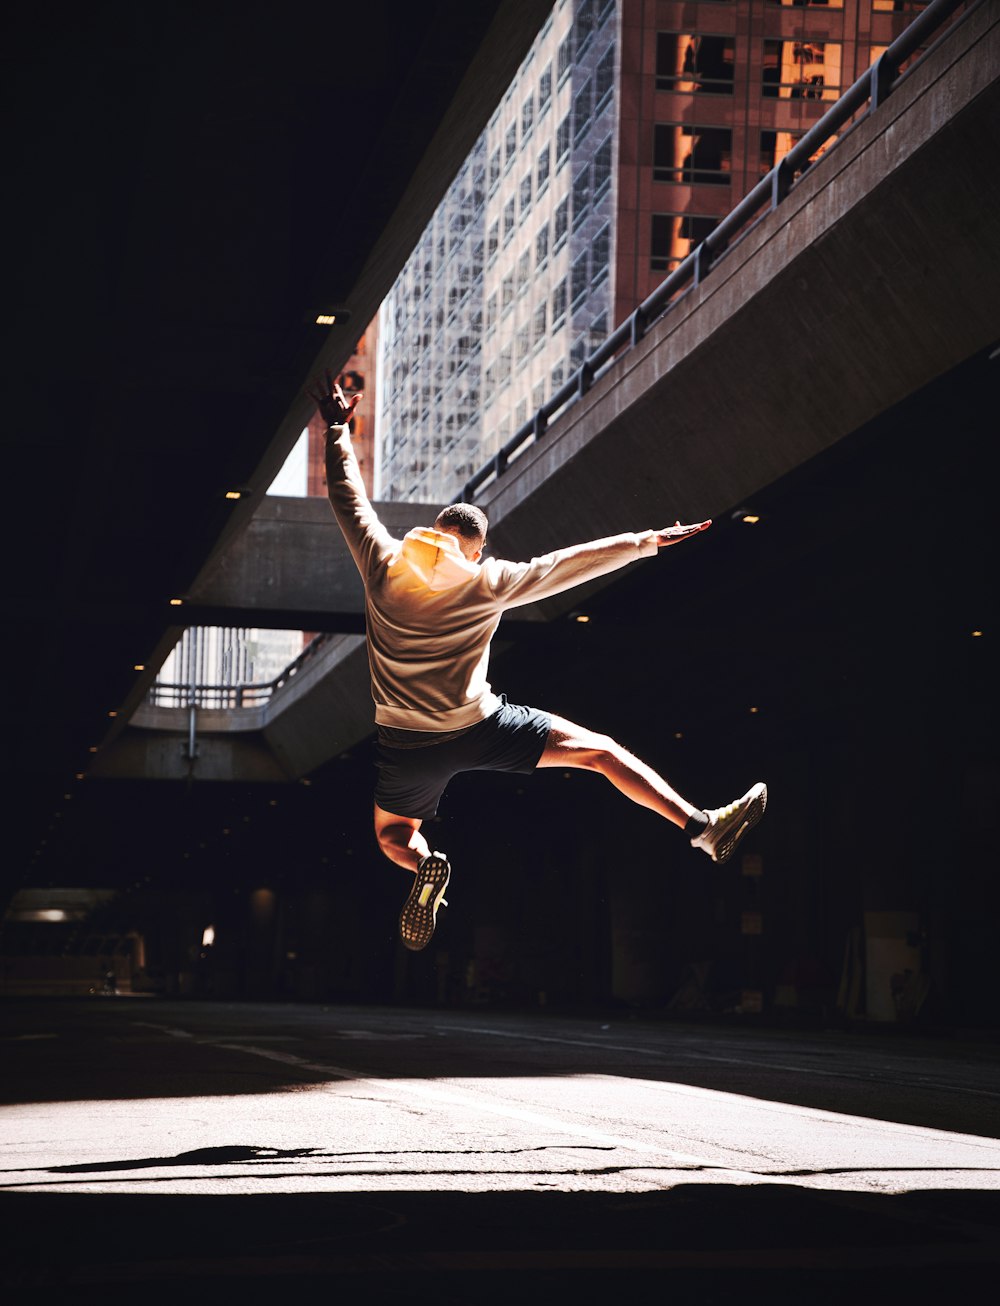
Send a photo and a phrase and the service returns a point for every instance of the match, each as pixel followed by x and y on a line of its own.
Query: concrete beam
pixel 325 710
pixel 293 560
pixel 143 755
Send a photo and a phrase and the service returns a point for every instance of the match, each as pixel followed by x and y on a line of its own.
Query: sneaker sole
pixel 752 815
pixel 419 915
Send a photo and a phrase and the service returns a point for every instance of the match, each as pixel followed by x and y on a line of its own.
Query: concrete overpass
pixel 876 274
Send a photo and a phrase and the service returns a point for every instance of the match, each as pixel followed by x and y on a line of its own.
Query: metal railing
pixel 872 87
pixel 228 697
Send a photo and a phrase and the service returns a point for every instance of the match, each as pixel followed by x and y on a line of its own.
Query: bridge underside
pixel 877 276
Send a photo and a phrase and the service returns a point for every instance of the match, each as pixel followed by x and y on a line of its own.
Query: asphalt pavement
pixel 200 1150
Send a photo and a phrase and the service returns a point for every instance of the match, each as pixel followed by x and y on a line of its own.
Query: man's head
pixel 468 525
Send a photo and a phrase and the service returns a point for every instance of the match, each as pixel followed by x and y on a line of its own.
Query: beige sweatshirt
pixel 431 613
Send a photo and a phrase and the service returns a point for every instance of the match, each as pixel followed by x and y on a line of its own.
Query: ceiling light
pixel 139 666
pixel 581 617
pixel 176 603
pixel 234 494
pixel 112 714
pixel 331 315
pixel 977 634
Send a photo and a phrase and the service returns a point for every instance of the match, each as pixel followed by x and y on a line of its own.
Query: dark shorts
pixel 412 780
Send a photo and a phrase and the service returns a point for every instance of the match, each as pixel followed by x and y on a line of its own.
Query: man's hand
pixel 674 534
pixel 334 406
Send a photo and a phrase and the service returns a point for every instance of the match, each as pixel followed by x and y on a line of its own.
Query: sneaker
pixel 727 825
pixel 419 914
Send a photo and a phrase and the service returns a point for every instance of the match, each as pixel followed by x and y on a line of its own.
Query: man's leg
pixel 569 745
pixel 400 839
pixel 715 830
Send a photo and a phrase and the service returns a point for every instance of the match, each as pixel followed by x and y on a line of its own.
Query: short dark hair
pixel 465 518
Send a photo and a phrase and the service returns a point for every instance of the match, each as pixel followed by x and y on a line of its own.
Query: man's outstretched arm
pixel 364 533
pixel 517 583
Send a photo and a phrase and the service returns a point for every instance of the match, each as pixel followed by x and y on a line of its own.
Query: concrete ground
pixel 199 1150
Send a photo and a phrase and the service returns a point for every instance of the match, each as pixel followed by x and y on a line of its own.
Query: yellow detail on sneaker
pixel 419 915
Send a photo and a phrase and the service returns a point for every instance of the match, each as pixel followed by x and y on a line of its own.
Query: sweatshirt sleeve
pixel 517 583
pixel 366 537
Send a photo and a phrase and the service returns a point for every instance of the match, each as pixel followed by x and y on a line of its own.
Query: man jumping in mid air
pixel 432 606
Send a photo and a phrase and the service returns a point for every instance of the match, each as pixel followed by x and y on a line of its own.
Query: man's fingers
pixel 671 534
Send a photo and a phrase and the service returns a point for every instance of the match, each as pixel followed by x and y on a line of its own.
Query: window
pixel 586 21
pixel 562 142
pixel 538 396
pixel 564 57
pixel 494 169
pixel 582 110
pixel 690 62
pixel 602 168
pixel 578 353
pixel 543 169
pixel 509 220
pixel 510 144
pixel 581 195
pixel 801 70
pixel 523 342
pixel 601 249
pixel 604 79
pixel 685 153
pixel 527 117
pixel 561 224
pixel 542 246
pixel 674 235
pixel 558 308
pixel 558 374
pixel 491 315
pixel 520 414
pixel 598 330
pixel 579 280
pixel 503 367
pixel 493 241
pixel 523 271
pixel 525 194
pixel 538 323
pixel 507 291
pixel 544 89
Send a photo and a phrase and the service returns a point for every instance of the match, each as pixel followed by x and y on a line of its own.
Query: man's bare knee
pixel 600 752
pixel 580 748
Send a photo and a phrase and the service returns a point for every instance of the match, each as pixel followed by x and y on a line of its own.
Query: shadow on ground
pixel 701 1244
